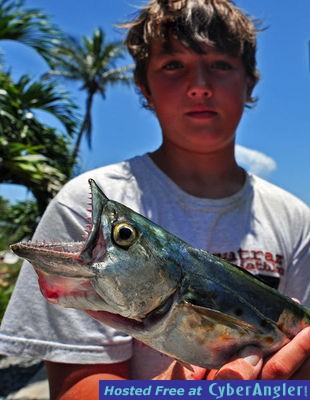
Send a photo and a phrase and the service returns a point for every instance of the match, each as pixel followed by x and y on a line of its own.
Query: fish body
pixel 150 284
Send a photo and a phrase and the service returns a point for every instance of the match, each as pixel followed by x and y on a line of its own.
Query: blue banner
pixel 204 390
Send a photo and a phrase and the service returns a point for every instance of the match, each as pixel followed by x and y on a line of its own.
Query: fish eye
pixel 124 235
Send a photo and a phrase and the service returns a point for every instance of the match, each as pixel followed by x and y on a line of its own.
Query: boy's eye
pixel 173 65
pixel 221 66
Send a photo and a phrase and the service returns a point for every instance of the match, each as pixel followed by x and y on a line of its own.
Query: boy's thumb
pixel 245 365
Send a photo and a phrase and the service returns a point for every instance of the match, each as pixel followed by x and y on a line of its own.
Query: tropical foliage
pixel 32 153
pixel 92 63
pixel 35 153
pixel 12 225
pixel 17 220
pixel 28 26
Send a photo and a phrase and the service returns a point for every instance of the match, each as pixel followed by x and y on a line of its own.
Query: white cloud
pixel 254 161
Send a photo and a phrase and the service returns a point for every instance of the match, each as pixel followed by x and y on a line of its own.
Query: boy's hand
pixel 291 362
pixel 177 371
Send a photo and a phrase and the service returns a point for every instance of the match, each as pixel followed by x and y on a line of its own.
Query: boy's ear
pixel 147 94
pixel 249 90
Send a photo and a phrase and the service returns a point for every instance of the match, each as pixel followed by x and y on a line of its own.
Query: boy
pixel 195 66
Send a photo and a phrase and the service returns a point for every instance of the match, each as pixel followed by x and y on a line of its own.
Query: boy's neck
pixel 211 175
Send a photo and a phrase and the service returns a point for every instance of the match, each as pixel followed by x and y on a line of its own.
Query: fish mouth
pixel 70 249
pixel 71 259
pixel 54 258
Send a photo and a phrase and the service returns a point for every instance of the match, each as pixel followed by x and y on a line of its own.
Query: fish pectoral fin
pixel 221 318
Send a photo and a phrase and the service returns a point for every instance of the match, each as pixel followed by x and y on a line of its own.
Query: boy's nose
pixel 198 91
pixel 199 84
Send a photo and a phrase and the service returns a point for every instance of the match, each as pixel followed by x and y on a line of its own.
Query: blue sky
pixel 273 139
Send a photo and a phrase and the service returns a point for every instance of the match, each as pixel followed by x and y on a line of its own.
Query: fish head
pixel 121 267
pixel 122 252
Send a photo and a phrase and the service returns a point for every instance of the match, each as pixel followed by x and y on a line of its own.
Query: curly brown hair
pixel 195 23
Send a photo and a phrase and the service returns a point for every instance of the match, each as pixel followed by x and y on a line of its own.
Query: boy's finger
pixel 177 371
pixel 245 365
pixel 292 361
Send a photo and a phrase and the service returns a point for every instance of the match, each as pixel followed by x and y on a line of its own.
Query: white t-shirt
pixel 262 228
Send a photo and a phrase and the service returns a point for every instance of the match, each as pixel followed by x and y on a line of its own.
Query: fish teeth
pixel 90 211
pixel 89 218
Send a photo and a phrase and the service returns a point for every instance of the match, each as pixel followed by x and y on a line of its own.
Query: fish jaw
pixel 71 259
pixel 64 275
pixel 69 292
pixel 54 258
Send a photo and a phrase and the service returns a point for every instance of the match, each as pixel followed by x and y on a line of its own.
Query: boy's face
pixel 198 98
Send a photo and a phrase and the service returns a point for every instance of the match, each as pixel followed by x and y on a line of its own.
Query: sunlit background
pixel 273 139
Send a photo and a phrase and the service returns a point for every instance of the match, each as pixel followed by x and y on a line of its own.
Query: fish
pixel 148 283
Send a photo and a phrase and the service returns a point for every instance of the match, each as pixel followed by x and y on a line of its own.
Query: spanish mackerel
pixel 148 283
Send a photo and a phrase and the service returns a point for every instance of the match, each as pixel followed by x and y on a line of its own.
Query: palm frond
pixel 92 62
pixel 28 26
pixel 19 100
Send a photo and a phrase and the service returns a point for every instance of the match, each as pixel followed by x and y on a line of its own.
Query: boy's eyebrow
pixel 165 51
pixel 174 52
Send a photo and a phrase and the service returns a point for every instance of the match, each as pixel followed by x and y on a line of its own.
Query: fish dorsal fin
pixel 221 318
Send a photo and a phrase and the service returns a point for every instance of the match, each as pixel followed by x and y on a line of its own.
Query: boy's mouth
pixel 201 113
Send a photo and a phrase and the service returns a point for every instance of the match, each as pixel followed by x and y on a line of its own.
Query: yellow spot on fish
pixel 268 339
pixel 224 337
